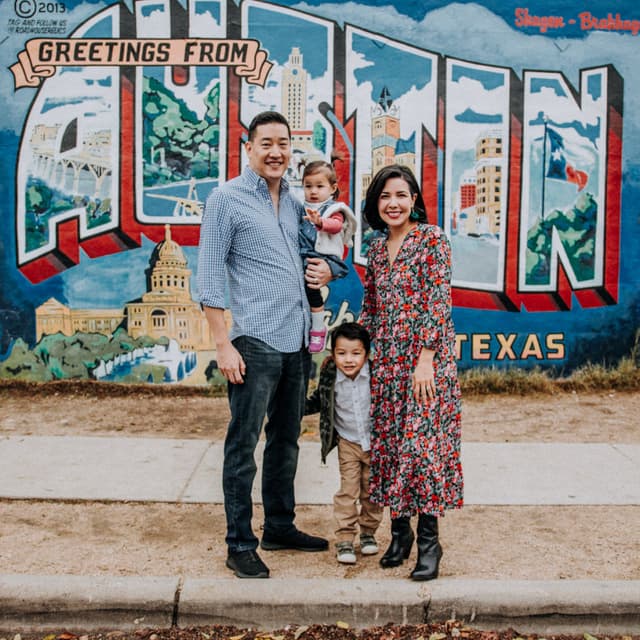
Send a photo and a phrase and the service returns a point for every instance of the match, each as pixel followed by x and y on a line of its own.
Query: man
pixel 249 234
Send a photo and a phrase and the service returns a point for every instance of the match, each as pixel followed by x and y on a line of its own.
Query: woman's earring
pixel 414 215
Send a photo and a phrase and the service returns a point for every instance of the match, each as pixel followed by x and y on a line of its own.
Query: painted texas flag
pixel 559 168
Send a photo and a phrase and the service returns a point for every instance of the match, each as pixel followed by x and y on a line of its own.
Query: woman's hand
pixel 423 379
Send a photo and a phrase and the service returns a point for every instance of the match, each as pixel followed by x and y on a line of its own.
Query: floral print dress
pixel 415 449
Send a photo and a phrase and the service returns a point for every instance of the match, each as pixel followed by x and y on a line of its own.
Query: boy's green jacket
pixel 322 400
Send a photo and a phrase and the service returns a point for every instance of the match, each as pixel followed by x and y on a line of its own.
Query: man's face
pixel 270 151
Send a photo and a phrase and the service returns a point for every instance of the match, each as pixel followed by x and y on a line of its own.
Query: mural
pixel 121 116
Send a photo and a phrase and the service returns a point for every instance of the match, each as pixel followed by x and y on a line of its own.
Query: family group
pixel 388 394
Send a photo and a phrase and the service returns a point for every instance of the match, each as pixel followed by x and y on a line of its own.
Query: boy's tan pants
pixel 354 487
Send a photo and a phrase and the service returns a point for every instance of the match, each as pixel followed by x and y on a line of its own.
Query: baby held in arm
pixel 328 226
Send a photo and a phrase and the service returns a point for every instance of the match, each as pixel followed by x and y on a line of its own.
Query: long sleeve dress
pixel 415 449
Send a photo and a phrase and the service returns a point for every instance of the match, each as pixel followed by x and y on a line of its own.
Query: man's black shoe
pixel 296 540
pixel 247 564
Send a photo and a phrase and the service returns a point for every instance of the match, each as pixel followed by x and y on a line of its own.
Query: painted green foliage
pixel 178 145
pixel 576 228
pixel 319 136
pixel 60 357
pixel 43 202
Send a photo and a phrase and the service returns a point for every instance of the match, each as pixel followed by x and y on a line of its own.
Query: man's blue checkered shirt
pixel 244 243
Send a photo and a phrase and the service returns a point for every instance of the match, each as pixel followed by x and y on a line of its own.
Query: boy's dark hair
pixel 376 187
pixel 267 117
pixel 351 331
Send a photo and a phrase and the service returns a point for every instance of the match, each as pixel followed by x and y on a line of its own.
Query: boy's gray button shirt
pixel 352 406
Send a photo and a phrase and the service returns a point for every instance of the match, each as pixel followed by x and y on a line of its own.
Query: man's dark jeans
pixel 275 385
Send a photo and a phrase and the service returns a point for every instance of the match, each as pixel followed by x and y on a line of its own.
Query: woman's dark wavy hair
pixel 376 187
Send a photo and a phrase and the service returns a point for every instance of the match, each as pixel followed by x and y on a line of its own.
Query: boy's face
pixel 349 356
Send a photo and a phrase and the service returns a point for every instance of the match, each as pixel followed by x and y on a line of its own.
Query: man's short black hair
pixel 267 117
pixel 351 331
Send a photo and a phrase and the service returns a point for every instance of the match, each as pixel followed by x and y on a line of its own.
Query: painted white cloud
pixel 13 43
pixel 462 135
pixel 454 31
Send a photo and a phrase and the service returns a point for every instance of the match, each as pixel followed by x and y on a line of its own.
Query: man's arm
pixel 230 362
pixel 216 233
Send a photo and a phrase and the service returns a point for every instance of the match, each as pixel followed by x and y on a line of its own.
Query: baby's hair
pixel 322 166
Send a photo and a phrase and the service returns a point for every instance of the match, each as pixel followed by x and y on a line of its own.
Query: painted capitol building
pixel 166 310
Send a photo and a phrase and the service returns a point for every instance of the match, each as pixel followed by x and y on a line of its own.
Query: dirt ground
pixel 449 630
pixel 533 542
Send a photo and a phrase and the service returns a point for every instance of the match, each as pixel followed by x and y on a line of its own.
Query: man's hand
pixel 317 273
pixel 230 363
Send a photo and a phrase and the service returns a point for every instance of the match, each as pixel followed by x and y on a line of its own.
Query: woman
pixel 415 442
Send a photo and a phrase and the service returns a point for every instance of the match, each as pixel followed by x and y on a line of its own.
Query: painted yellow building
pixel 489 197
pixel 165 310
pixel 387 147
pixel 55 317
pixel 294 90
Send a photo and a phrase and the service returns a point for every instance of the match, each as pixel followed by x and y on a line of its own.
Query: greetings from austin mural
pixel 120 117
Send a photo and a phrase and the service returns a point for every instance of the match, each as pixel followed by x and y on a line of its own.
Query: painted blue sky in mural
pixel 394 68
pixel 418 9
pixel 125 271
pixel 482 33
pixel 211 7
pixel 277 31
pixel 489 81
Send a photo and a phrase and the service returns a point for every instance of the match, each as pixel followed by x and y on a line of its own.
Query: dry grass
pixel 625 376
pixel 488 381
pixel 491 380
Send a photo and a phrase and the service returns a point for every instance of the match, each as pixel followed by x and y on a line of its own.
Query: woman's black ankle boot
pixel 429 549
pixel 401 542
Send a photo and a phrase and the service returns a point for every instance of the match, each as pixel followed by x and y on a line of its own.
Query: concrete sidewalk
pixel 188 471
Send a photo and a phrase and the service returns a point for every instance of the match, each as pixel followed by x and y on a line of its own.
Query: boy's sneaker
pixel 317 340
pixel 346 553
pixel 368 545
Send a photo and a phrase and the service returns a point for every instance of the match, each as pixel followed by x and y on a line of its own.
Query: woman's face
pixel 395 204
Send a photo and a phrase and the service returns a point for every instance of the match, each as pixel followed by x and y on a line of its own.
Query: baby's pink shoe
pixel 317 340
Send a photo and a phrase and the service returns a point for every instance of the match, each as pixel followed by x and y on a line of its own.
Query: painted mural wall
pixel 118 118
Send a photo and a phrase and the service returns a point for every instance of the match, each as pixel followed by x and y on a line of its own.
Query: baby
pixel 328 226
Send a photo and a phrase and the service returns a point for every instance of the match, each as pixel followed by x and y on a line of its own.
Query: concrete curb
pixel 277 602
pixel 41 602
pixel 31 603
pixel 539 606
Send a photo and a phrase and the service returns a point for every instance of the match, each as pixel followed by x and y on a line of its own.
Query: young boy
pixel 343 398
